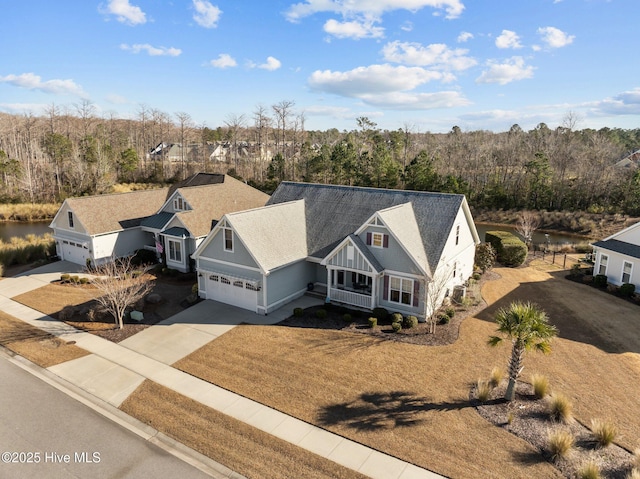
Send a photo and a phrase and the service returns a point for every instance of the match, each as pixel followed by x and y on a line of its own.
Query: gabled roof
pixel 274 235
pixel 199 179
pixel 108 213
pixel 333 212
pixel 618 246
pixel 212 201
pixel 401 222
pixel 157 221
pixel 361 247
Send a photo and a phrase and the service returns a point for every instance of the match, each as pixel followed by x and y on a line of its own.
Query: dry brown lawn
pixel 247 450
pixel 50 299
pixel 413 401
pixel 34 344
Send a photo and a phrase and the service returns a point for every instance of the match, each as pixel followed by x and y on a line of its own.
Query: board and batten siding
pixel 392 254
pixel 349 257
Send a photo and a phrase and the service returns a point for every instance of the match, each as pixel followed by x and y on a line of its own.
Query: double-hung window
pixel 401 290
pixel 175 250
pixel 228 239
pixel 70 216
pixel 602 269
pixel 626 272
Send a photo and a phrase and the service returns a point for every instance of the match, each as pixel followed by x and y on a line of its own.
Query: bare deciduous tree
pixel 435 292
pixel 120 286
pixel 528 222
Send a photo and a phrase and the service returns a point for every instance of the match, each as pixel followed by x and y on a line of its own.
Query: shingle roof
pixel 333 212
pixel 366 252
pixel 213 201
pixel 107 213
pixel 275 235
pixel 199 179
pixel 621 247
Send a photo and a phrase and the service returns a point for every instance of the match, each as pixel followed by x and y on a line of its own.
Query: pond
pixel 554 238
pixel 9 230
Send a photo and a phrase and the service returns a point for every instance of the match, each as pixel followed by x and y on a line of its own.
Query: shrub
pixel 450 312
pixel 589 470
pixel 476 276
pixel 559 443
pixel 380 314
pixel 483 389
pixel 397 327
pixel 497 374
pixel 576 270
pixel 540 385
pixel 194 288
pixel 627 290
pixel 410 322
pixel 396 318
pixel 65 278
pixel 143 256
pixel 443 318
pixel 373 322
pixel 510 250
pixel 600 280
pixel 560 408
pixel 604 432
pixel 298 312
pixel 485 256
pixel 321 313
pixel 84 280
pixel 633 474
pixel 346 317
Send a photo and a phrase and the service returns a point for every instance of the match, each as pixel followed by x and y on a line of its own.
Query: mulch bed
pixel 527 417
pixel 444 333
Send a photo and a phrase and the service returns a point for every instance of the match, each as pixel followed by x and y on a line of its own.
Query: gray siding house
pixel 364 247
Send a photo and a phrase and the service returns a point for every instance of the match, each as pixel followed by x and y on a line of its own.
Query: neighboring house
pixel 172 220
pixel 631 161
pixel 618 257
pixel 365 247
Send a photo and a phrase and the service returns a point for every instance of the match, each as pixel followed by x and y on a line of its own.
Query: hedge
pixel 510 250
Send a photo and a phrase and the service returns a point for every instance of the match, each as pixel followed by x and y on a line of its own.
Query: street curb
pixel 148 433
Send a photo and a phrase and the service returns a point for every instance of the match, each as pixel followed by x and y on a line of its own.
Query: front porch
pixel 351 288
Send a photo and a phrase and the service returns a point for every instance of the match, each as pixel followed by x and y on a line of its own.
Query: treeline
pixel 72 151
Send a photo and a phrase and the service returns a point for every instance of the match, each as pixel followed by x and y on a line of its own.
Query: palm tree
pixel 528 328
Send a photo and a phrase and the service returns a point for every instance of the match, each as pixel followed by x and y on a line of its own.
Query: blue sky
pixel 423 64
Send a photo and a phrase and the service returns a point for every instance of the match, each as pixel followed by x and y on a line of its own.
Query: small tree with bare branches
pixel 120 286
pixel 528 222
pixel 434 293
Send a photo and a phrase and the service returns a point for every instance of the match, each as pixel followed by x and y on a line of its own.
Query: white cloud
pixel 373 79
pixel 116 99
pixel 437 55
pixel 464 36
pixel 508 39
pixel 406 27
pixel 124 12
pixel 151 50
pixel 224 60
pixel 417 101
pixel 207 15
pixel 338 112
pixel 354 29
pixel 502 73
pixel 31 81
pixel 271 64
pixel 625 103
pixel 370 8
pixel 16 108
pixel 555 38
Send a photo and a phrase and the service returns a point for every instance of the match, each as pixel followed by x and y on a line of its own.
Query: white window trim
pixel 178 204
pixel 624 263
pixel 224 239
pixel 178 250
pixel 375 235
pixel 410 303
pixel 606 263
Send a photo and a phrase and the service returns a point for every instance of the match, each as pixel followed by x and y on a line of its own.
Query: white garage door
pixel 74 252
pixel 235 291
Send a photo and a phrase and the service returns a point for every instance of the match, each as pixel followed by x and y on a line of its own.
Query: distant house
pixel 618 257
pixel 629 162
pixel 365 247
pixel 170 221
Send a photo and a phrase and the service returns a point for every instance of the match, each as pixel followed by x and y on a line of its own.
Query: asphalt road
pixel 46 434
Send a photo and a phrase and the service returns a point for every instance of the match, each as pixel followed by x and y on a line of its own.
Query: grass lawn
pixel 413 401
pixel 34 344
pixel 247 450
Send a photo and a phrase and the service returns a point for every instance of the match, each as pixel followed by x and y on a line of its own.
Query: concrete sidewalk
pixel 113 371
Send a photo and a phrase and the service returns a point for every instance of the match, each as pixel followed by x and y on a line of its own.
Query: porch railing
pixel 349 297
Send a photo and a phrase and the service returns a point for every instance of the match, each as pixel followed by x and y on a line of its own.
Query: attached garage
pixel 73 251
pixel 239 292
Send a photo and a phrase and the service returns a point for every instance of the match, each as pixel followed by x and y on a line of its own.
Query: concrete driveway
pixel 174 338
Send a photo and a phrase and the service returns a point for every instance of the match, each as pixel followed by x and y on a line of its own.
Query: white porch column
pixel 328 284
pixel 374 282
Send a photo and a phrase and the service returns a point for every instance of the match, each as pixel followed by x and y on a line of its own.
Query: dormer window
pixel 70 215
pixel 178 204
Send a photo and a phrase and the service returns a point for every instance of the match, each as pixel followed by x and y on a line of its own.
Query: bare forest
pixel 71 151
